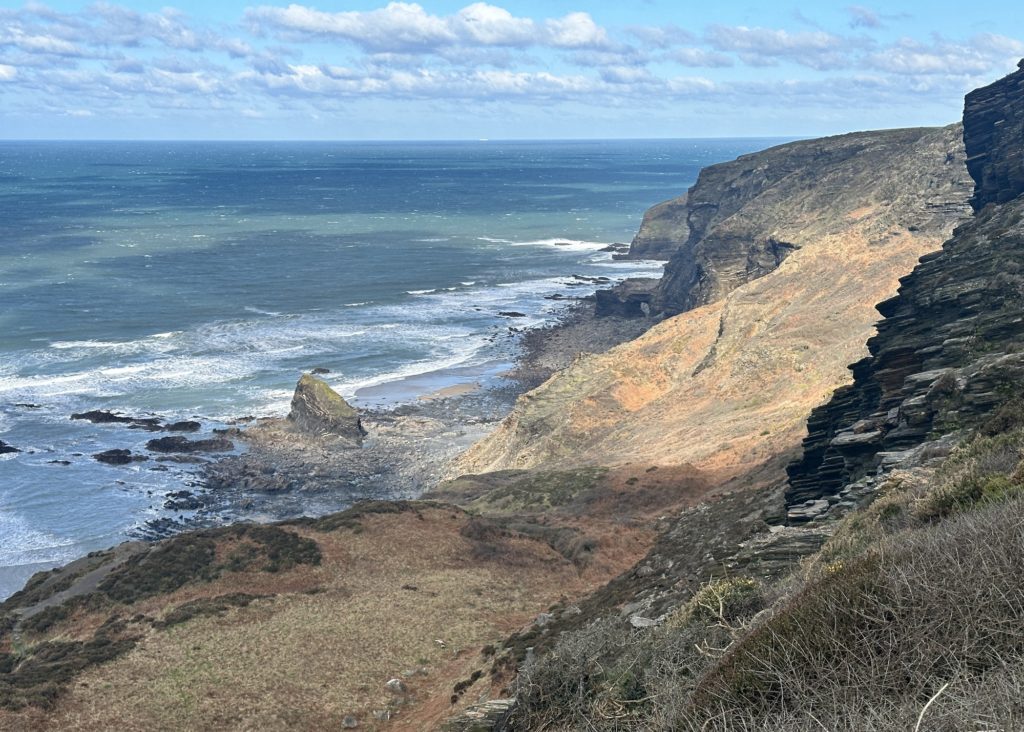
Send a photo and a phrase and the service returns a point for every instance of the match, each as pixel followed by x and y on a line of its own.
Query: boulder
pixel 319 410
pixel 181 444
pixel 98 416
pixel 5 448
pixel 119 457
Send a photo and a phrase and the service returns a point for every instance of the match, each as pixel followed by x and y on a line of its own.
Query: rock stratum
pixel 947 351
pixel 787 252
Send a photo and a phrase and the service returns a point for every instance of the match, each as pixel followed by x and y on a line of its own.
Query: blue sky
pixel 440 69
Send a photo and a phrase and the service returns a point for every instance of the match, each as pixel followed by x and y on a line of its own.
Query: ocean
pixel 185 279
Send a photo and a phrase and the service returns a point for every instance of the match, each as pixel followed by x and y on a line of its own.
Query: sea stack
pixel 319 410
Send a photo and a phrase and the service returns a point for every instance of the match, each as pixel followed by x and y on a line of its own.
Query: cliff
pixel 887 602
pixel 744 217
pixel 663 230
pixel 727 386
pixel 946 354
pixel 994 138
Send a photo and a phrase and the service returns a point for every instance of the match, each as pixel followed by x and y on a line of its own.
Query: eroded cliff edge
pixel 786 252
pixel 947 351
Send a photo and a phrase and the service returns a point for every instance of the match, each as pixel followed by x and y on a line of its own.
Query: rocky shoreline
pixel 263 469
pixel 407 449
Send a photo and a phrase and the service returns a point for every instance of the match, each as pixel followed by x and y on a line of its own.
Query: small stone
pixel 349 722
pixel 638 621
pixel 396 686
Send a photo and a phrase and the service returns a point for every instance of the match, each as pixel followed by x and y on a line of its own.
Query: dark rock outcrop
pixel 632 298
pixel 98 416
pixel 744 217
pixel 994 140
pixel 179 444
pixel 6 449
pixel 119 457
pixel 319 410
pixel 947 354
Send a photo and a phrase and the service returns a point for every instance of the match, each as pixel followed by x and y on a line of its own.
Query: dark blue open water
pixel 200 278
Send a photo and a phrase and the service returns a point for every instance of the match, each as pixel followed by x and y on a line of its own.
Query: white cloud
pixel 631 75
pixel 862 17
pixel 818 50
pixel 979 55
pixel 488 25
pixel 397 25
pixel 408 27
pixel 576 30
pixel 7 73
pixel 699 57
pixel 30 42
pixel 664 36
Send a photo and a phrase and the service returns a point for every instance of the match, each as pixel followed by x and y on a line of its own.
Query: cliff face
pixel 746 216
pixel 994 137
pixel 727 386
pixel 946 356
pixel 663 230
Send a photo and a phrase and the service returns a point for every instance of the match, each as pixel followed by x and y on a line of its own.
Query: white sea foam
pixel 23 544
pixel 420 292
pixel 258 311
pixel 461 357
pixel 565 244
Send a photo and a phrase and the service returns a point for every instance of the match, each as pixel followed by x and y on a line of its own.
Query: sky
pixel 518 69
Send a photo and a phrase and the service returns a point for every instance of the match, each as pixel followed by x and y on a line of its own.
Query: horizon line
pixel 404 140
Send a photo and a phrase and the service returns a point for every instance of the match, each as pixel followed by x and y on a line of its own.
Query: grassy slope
pixel 235 633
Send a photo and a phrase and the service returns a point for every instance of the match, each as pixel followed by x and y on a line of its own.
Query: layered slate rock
pixel 947 354
pixel 745 217
pixel 994 139
pixel 320 411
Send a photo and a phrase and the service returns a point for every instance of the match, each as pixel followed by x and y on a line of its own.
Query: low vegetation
pixel 909 618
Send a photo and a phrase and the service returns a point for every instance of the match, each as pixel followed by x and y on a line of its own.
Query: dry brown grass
pixel 325 645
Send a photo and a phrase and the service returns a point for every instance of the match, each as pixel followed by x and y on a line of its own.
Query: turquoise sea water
pixel 199 279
